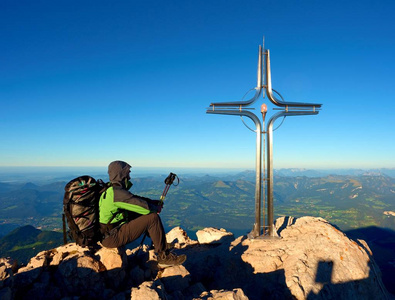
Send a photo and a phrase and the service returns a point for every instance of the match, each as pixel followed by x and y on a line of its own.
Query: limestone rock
pixel 236 294
pixel 28 274
pixel 114 261
pixel 137 275
pixel 8 267
pixel 81 276
pixel 179 237
pixel 213 236
pixel 309 259
pixel 314 259
pixel 194 291
pixel 148 290
pixel 6 293
pixel 175 278
pixel 112 258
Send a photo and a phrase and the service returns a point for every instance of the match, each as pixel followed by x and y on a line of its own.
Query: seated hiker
pixel 124 217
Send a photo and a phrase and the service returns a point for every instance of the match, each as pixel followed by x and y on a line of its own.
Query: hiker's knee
pixel 153 218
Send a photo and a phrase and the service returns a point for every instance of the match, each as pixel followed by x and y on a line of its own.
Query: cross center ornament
pixel 240 108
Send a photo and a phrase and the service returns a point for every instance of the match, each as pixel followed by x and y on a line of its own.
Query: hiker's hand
pixel 160 206
pixel 157 205
pixel 157 202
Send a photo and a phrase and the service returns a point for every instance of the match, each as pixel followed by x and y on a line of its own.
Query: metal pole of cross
pixel 242 108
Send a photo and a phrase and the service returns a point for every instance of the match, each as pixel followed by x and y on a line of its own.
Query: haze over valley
pixel 219 199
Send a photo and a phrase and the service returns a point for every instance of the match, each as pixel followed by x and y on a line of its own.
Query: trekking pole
pixel 169 181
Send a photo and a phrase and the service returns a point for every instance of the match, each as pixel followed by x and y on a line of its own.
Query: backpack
pixel 81 209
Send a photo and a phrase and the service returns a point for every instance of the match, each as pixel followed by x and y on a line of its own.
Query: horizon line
pixel 206 168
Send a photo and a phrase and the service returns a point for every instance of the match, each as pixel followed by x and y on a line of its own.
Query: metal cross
pixel 240 108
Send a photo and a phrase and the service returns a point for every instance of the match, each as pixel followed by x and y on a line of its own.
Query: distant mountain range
pixel 26 241
pixel 223 200
pixel 320 173
pixel 45 175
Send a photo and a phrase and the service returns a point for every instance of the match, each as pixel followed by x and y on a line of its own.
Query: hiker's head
pixel 119 173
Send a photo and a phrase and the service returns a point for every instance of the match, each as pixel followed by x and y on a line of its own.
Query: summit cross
pixel 242 108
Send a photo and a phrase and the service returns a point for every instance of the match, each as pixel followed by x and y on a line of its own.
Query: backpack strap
pixel 113 216
pixel 64 229
pixel 70 222
pixel 106 228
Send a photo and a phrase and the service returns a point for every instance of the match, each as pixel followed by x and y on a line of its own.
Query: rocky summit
pixel 310 259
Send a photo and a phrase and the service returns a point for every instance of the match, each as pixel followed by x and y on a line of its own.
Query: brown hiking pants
pixel 132 230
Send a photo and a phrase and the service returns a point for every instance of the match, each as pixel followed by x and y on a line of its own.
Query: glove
pixel 156 206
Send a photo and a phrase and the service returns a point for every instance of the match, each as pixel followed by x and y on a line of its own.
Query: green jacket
pixel 117 198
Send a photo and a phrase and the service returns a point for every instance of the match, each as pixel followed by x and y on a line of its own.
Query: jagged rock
pixel 194 291
pixel 8 266
pixel 216 266
pixel 81 276
pixel 57 257
pixel 213 236
pixel 30 273
pixel 44 291
pixel 6 293
pixel 314 258
pixel 137 275
pixel 149 290
pixel 310 259
pixel 293 266
pixel 175 278
pixel 150 266
pixel 39 261
pixel 114 260
pixel 236 294
pixel 179 237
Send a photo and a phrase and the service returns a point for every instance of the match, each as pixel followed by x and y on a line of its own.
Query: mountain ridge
pixel 24 242
pixel 311 260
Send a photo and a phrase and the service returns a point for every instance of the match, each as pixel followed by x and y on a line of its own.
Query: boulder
pixel 316 259
pixel 194 291
pixel 6 293
pixel 235 294
pixel 114 261
pixel 179 238
pixel 8 266
pixel 148 290
pixel 112 258
pixel 175 278
pixel 80 275
pixel 214 236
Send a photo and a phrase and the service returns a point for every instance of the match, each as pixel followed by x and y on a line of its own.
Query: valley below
pixel 362 206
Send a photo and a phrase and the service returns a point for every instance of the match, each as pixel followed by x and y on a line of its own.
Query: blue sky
pixel 83 83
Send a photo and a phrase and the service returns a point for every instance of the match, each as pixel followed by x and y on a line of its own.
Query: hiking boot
pixel 168 259
pixel 169 246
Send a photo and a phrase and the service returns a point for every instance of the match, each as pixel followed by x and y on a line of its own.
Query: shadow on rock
pixel 221 267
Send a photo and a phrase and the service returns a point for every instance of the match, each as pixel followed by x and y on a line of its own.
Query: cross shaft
pixel 239 108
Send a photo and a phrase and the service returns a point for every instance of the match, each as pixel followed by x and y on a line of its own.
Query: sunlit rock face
pixel 310 259
pixel 316 259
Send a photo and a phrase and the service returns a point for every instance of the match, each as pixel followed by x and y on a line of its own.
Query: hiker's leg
pixel 157 234
pixel 135 228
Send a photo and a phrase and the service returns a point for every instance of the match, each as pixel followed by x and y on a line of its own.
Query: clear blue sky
pixel 83 83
